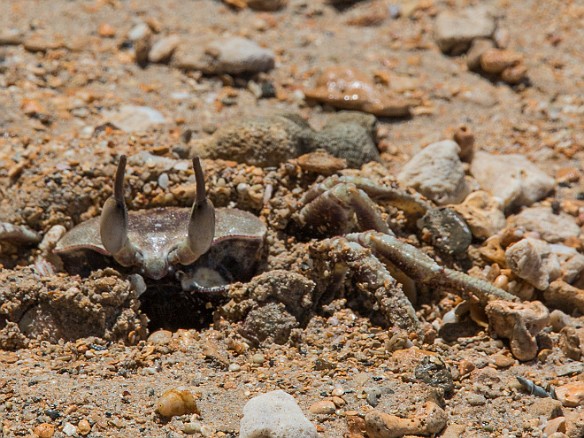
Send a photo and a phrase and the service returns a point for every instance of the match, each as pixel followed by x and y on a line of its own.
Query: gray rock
pixel 231 55
pixel 551 227
pixel 513 179
pixel 437 173
pixel 131 118
pixel 344 140
pixel 533 261
pixel 275 415
pixel 455 31
pixel 163 49
pixel 271 140
pixel 449 232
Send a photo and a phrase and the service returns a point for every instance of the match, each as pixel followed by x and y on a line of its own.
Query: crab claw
pixel 113 227
pixel 201 227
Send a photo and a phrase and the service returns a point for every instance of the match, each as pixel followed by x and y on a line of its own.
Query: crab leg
pixel 113 227
pixel 422 268
pixel 334 204
pixel 18 233
pixel 371 276
pixel 201 227
pixel 412 204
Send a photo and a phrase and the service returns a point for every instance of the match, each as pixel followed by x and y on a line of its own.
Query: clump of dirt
pixel 67 308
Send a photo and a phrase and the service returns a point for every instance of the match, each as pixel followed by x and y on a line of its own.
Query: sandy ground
pixel 82 364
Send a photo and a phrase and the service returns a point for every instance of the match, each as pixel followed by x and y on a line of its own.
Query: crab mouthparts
pixel 155 268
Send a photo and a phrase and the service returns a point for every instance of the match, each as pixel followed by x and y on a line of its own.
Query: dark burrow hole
pixel 169 307
pixel 164 302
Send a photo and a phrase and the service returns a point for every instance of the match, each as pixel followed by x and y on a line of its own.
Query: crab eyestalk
pixel 113 227
pixel 201 227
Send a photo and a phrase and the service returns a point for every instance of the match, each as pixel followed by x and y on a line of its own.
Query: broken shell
pixel 174 402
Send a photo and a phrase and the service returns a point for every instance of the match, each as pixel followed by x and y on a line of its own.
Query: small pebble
pixel 176 402
pixel 192 427
pixel 338 401
pixel 163 49
pixel 346 87
pixel 160 337
pixel 554 426
pixel 258 359
pixel 44 430
pixel 233 367
pixel 323 407
pixel 230 55
pixel 338 391
pixel 503 361
pixel 106 30
pixel 69 429
pixel 476 399
pixel 84 427
pixel 163 181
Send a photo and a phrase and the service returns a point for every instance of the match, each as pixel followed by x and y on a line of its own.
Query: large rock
pixel 437 173
pixel 512 178
pixel 454 31
pixel 275 415
pixel 271 140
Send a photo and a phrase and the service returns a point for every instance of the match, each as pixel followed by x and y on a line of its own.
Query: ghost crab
pixel 204 248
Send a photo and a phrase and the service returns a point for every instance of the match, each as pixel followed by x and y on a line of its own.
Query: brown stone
pixel 571 394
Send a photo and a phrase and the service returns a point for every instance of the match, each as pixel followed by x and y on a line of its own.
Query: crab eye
pixel 201 227
pixel 113 227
